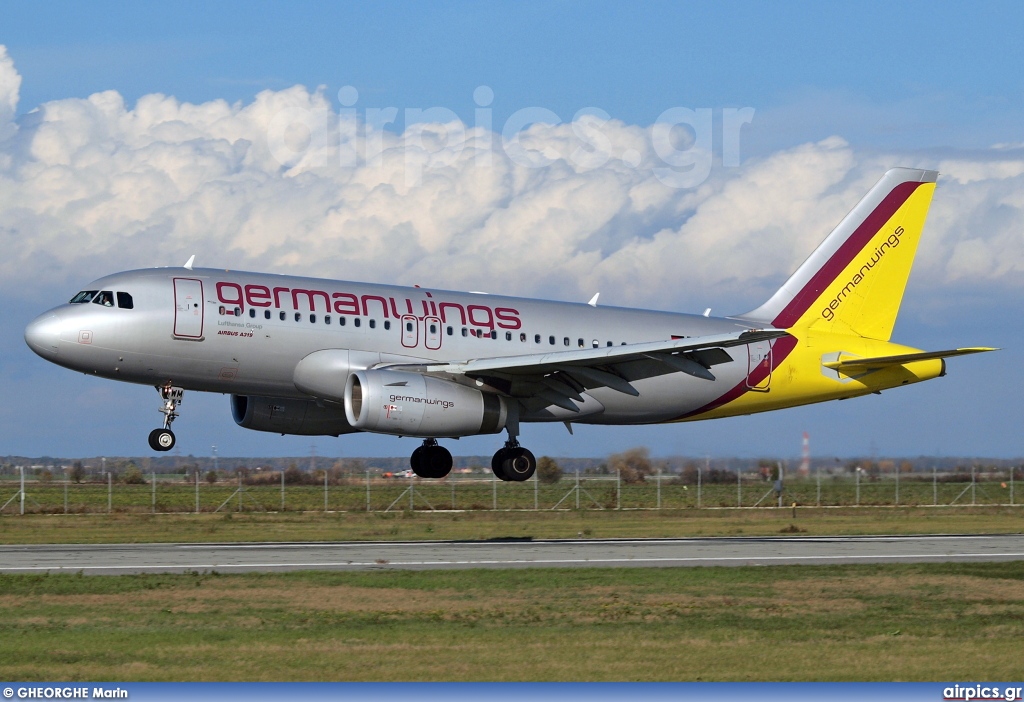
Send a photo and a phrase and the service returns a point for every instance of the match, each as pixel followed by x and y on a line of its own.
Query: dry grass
pixel 895 622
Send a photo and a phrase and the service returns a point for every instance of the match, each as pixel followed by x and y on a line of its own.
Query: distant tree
pixel 211 476
pixel 633 465
pixel 77 472
pixel 46 476
pixel 906 467
pixel 293 476
pixel 132 475
pixel 548 470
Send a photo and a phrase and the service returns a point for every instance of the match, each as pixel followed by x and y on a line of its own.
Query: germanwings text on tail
pixel 323 357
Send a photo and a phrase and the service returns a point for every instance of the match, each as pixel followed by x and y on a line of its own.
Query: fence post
pixel 197 488
pixel 152 478
pixel 239 491
pixel 452 484
pixel 577 489
pixel 739 487
pixel 856 477
pixel 412 494
pixel 66 493
pixel 282 489
pixel 325 490
pixel 494 491
pixel 897 485
pixel 536 492
pixel 973 486
pixel 935 486
pixel 698 487
pixel 110 492
pixel 367 489
pixel 618 489
pixel 22 493
pixel 817 474
pixel 659 487
pixel 1011 486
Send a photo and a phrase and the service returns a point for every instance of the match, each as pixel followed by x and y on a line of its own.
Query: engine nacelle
pixel 411 404
pixel 288 416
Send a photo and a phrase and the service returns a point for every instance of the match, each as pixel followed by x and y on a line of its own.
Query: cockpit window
pixel 105 298
pixel 124 301
pixel 84 296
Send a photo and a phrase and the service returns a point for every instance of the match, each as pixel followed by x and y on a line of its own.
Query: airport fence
pixel 370 493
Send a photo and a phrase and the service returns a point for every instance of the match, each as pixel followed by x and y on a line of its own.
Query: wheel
pixel 417 463
pixel 161 439
pixel 497 463
pixel 438 461
pixel 519 464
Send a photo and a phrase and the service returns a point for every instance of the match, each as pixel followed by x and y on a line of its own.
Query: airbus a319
pixel 325 357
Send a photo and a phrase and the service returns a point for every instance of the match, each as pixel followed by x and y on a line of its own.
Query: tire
pixel 417 462
pixel 438 462
pixel 519 465
pixel 161 439
pixel 497 464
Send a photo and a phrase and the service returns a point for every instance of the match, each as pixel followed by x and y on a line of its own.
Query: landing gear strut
pixel 431 460
pixel 513 463
pixel 163 439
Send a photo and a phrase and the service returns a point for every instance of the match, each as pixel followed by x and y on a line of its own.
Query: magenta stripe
pixel 842 257
pixel 781 349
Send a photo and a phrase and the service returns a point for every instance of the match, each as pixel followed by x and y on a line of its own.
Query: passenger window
pixel 508 336
pixel 252 313
pixel 282 315
pixel 298 316
pixel 84 296
pixel 266 314
pixel 536 338
pixel 465 332
pixel 124 301
pixel 327 319
pixel 105 298
pixel 408 326
pixel 522 337
pixel 596 343
pixel 238 311
pixel 357 321
pixel 341 321
pixel 373 324
pixel 551 340
pixel 450 331
pixel 433 329
pixel 565 341
pixel 387 324
pixel 579 342
pixel 609 343
pixel 494 334
pixel 312 318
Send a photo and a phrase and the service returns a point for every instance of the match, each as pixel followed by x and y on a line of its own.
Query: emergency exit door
pixel 759 366
pixel 188 308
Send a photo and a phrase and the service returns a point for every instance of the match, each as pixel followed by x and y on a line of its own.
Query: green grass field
pixel 897 622
pixel 128 527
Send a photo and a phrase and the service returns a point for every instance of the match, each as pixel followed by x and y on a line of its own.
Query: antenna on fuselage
pixel 190 261
pixel 593 300
pixel 707 312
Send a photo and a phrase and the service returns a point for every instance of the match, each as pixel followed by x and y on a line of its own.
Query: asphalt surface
pixel 109 559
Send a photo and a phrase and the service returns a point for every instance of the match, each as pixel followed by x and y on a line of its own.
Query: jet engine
pixel 411 404
pixel 288 416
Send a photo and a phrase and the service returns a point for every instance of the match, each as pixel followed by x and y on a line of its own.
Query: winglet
pixel 593 300
pixel 190 261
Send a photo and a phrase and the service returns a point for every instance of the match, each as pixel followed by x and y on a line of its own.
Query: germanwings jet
pixel 325 357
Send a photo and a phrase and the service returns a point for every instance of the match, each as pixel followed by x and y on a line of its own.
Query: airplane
pixel 328 357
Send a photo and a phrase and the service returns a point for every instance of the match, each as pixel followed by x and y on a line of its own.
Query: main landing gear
pixel 513 463
pixel 431 460
pixel 163 439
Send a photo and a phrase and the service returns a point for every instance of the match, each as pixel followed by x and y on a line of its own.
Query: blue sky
pixel 920 83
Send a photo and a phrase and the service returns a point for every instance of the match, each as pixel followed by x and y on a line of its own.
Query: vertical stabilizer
pixel 853 283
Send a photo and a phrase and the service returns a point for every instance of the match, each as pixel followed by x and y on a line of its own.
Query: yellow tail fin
pixel 853 283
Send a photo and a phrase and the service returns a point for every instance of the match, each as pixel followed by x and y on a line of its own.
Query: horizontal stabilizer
pixel 869 364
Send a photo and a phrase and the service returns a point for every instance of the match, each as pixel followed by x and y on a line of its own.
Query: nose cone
pixel 43 334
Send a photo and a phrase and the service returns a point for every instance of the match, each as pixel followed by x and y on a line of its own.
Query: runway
pixel 111 559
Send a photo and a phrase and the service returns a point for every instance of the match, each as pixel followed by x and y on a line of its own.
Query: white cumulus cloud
pixel 89 186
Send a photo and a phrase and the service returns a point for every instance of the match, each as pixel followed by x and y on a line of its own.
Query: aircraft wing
pixel 559 377
pixel 860 365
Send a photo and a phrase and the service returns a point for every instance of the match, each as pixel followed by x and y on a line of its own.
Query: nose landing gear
pixel 163 439
pixel 431 460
